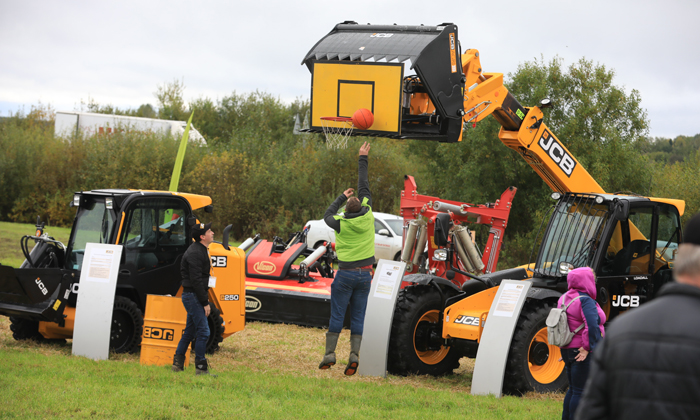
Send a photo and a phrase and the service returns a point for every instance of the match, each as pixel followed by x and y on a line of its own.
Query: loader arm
pixel 522 129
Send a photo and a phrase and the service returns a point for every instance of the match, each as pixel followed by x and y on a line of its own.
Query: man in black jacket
pixel 195 270
pixel 648 365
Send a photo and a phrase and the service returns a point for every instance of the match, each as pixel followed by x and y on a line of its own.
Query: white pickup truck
pixel 388 233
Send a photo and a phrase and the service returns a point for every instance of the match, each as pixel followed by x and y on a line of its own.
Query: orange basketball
pixel 363 119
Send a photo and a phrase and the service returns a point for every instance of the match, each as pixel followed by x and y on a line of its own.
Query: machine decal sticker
pixel 380 35
pixel 155 333
pixel 56 305
pixel 218 261
pixel 467 320
pixel 625 301
pixel 557 153
pixel 264 267
pixel 230 297
pixel 453 54
pixel 252 304
pixel 43 288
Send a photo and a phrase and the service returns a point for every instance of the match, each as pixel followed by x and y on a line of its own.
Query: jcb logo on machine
pixel 230 297
pixel 264 267
pixel 43 288
pixel 380 35
pixel 557 153
pixel 218 261
pixel 453 54
pixel 625 301
pixel 156 333
pixel 252 304
pixel 467 320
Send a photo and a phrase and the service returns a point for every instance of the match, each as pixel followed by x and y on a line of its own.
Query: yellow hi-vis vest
pixel 355 241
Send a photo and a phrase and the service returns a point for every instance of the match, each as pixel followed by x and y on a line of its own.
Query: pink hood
pixel 581 280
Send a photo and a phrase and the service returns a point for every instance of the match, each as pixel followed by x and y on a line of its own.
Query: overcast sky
pixel 118 52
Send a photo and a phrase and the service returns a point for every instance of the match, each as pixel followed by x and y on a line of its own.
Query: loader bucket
pixel 362 66
pixel 34 293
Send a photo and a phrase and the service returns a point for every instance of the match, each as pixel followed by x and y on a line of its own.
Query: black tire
pixel 533 364
pixel 127 326
pixel 417 307
pixel 25 329
pixel 216 330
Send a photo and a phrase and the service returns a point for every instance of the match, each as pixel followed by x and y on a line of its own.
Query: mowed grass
pixel 11 233
pixel 266 371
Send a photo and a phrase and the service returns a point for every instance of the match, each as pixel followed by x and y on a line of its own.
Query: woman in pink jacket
pixel 583 311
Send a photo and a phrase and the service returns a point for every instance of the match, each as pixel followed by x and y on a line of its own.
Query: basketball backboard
pixel 338 89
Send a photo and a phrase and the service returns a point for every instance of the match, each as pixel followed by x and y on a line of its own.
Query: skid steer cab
pixel 629 241
pixel 154 228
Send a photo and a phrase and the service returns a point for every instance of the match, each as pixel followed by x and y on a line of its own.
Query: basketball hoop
pixel 337 130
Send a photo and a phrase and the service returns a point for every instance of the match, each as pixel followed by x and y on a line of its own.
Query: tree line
pixel 264 179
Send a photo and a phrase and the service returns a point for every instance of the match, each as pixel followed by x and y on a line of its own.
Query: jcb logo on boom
pixel 467 320
pixel 156 333
pixel 625 301
pixel 555 151
pixel 380 35
pixel 218 261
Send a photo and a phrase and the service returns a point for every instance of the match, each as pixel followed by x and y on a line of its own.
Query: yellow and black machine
pixel 420 85
pixel 154 228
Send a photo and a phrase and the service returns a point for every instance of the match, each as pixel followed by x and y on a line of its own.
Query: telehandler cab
pixel 155 230
pixel 628 240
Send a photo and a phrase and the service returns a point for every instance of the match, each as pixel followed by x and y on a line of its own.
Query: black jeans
pixel 577 372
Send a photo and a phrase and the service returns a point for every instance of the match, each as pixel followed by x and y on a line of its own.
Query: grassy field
pixel 267 371
pixel 11 233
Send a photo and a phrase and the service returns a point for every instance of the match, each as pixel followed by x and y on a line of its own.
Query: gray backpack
pixel 558 332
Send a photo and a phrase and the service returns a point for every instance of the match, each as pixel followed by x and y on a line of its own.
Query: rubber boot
pixel 201 367
pixel 329 357
pixel 354 359
pixel 179 363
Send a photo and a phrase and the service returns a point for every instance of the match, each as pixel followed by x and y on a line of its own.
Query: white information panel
pixel 378 317
pixel 491 357
pixel 93 310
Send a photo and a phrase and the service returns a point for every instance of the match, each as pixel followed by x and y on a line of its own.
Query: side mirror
pixel 383 232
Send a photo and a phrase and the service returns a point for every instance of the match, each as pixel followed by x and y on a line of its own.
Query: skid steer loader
pixel 420 85
pixel 155 230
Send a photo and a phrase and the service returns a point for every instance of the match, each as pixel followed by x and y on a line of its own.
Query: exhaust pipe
pixel 473 256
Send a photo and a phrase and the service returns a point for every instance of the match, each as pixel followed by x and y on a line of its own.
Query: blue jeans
pixel 196 327
pixel 349 287
pixel 577 372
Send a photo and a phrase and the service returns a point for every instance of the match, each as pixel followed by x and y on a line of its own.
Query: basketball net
pixel 337 130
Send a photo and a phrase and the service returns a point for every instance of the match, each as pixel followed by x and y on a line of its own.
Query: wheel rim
pixel 122 329
pixel 543 359
pixel 430 357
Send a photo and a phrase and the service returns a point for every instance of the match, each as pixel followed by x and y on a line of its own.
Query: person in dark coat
pixel 648 365
pixel 195 270
pixel 584 314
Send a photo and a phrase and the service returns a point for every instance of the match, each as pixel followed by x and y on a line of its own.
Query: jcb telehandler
pixel 629 240
pixel 155 230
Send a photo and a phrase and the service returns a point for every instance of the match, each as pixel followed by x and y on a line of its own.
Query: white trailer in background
pixel 87 123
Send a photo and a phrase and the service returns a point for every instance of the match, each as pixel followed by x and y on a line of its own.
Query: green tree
pixel 171 102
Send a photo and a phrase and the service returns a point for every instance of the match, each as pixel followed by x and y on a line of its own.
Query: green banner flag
pixel 175 179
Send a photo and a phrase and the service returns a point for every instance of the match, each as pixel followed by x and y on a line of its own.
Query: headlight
pixel 76 200
pixel 565 267
pixel 440 255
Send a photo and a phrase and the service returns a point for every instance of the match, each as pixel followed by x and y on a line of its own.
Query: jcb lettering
pixel 43 288
pixel 379 35
pixel 625 301
pixel 467 320
pixel 218 261
pixel 155 333
pixel 557 153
